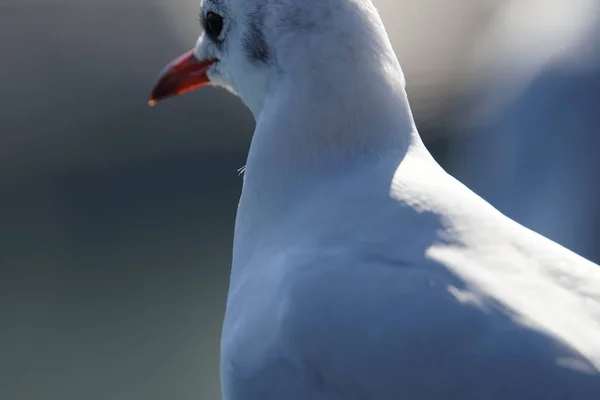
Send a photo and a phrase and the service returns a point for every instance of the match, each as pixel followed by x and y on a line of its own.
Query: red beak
pixel 182 75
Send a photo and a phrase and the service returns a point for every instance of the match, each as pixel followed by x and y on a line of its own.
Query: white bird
pixel 361 269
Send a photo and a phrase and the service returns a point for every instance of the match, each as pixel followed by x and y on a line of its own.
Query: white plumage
pixel 361 269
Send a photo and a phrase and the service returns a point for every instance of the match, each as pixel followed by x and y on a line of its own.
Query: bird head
pixel 248 46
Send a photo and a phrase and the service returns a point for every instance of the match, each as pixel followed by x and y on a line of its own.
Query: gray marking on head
pixel 255 43
pixel 299 18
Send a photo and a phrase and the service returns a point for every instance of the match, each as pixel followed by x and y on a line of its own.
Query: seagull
pixel 361 269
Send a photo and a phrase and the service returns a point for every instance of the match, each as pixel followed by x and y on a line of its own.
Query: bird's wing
pixel 419 328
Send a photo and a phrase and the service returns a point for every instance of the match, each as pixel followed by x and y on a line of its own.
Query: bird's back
pixel 383 291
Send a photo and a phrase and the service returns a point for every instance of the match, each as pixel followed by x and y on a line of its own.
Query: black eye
pixel 213 25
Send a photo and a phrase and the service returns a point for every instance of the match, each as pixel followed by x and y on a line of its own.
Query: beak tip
pixel 151 102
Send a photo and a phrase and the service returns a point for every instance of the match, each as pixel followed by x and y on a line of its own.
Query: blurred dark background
pixel 117 219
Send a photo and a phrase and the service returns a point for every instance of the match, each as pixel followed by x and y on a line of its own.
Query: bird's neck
pixel 336 101
pixel 308 136
pixel 331 112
